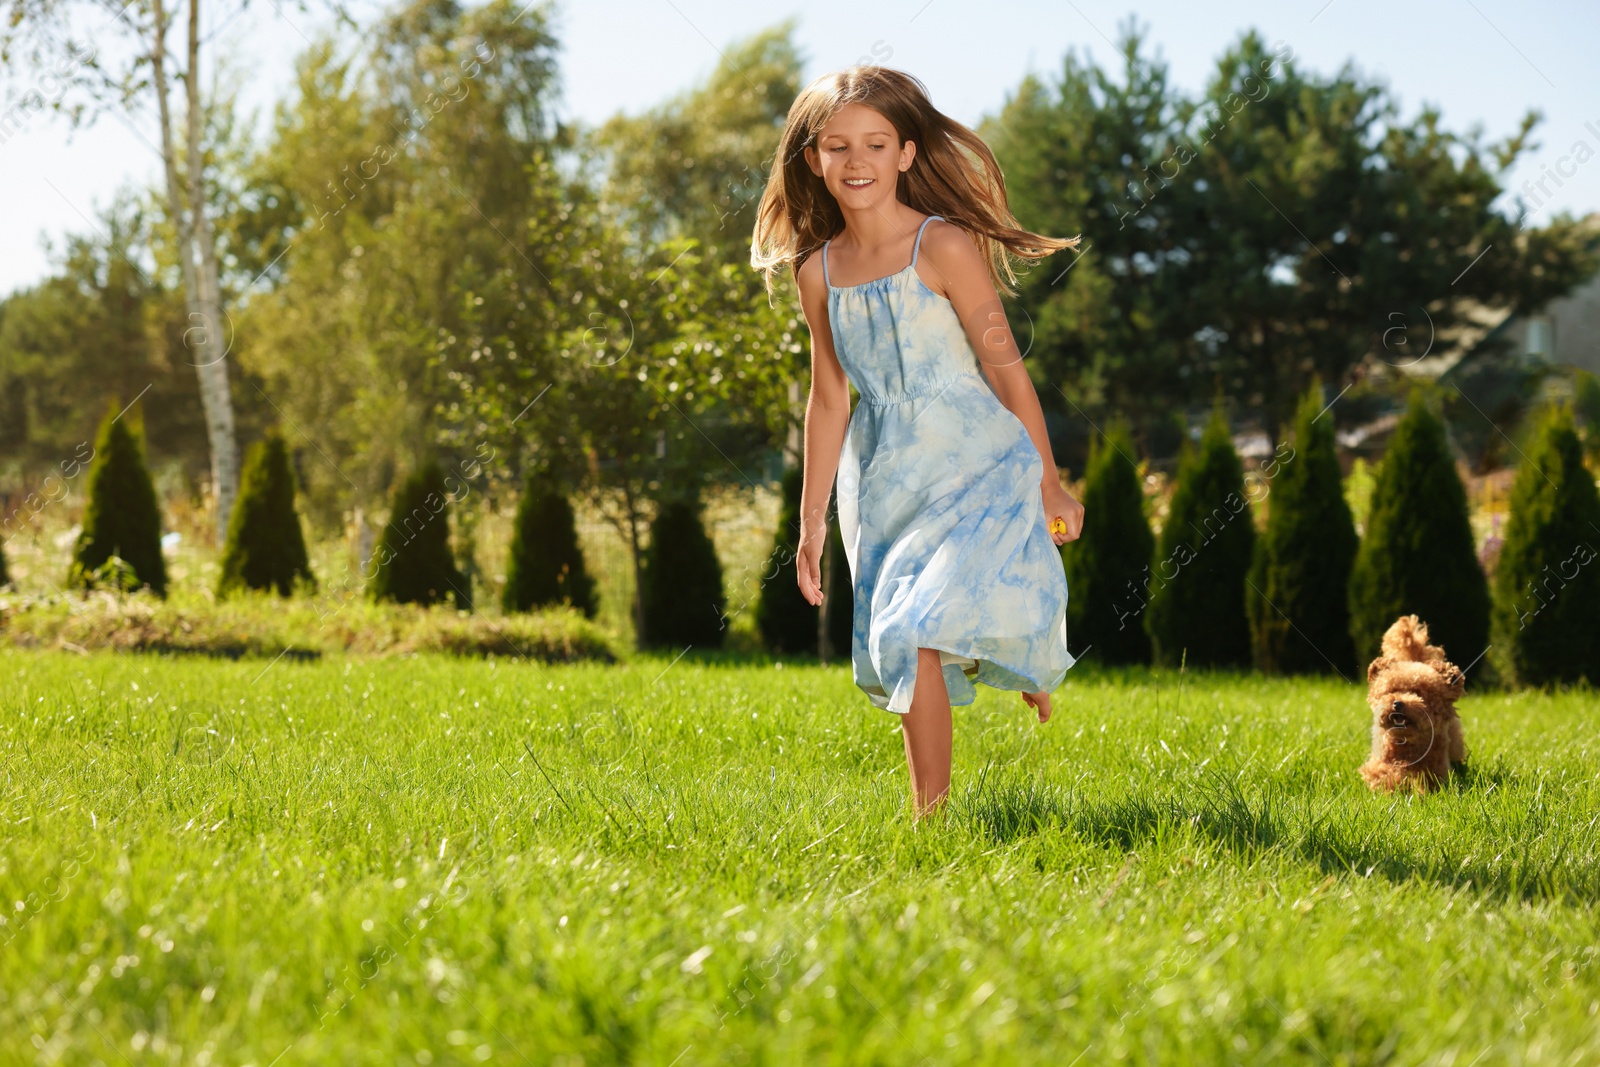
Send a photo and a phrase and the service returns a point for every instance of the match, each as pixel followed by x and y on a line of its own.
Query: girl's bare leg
pixel 926 728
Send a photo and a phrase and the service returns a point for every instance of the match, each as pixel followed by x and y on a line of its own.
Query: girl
pixel 894 220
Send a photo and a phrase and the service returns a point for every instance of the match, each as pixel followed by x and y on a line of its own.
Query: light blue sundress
pixel 939 504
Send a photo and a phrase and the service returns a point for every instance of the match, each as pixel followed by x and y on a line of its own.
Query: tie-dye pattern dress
pixel 939 504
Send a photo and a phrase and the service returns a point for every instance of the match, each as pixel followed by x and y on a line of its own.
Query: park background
pixel 1366 313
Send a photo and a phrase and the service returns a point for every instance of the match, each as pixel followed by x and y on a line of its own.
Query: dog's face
pixel 1410 700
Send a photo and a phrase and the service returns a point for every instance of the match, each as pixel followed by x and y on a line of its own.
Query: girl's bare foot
pixel 1040 702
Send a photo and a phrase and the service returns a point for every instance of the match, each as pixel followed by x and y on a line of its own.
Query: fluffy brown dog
pixel 1412 690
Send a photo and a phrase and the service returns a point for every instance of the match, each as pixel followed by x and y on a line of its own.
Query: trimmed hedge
pixel 1197 613
pixel 1298 588
pixel 1108 565
pixel 413 556
pixel 546 563
pixel 1418 555
pixel 786 620
pixel 123 516
pixel 1547 583
pixel 265 548
pixel 684 603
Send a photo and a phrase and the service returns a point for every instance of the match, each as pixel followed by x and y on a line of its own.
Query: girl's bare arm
pixel 827 416
pixel 959 274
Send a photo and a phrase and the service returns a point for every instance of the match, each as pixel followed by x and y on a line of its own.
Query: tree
pixel 786 620
pixel 265 548
pixel 1197 613
pixel 546 564
pixel 683 598
pixel 1547 582
pixel 1299 578
pixel 144 67
pixel 123 516
pixel 413 556
pixel 1281 225
pixel 1418 554
pixel 1108 565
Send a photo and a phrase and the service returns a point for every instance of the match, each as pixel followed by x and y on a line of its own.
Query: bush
pixel 413 556
pixel 1197 613
pixel 1300 574
pixel 1586 405
pixel 123 518
pixel 546 564
pixel 1547 583
pixel 786 620
pixel 265 548
pixel 1418 554
pixel 1109 562
pixel 682 582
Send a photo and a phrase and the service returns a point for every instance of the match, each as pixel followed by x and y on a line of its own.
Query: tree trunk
pixel 201 287
pixel 638 567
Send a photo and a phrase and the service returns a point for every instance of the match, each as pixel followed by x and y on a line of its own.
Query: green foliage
pixel 1196 279
pixel 123 516
pixel 1547 583
pixel 1109 562
pixel 682 584
pixel 546 563
pixel 1586 405
pixel 1198 584
pixel 1300 574
pixel 1418 555
pixel 265 548
pixel 786 620
pixel 414 564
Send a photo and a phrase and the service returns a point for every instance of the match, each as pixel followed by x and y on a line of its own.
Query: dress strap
pixel 916 248
pixel 825 280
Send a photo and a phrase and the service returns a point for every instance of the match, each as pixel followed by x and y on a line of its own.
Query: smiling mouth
pixel 859 183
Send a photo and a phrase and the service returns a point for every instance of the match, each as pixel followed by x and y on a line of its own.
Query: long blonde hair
pixel 954 175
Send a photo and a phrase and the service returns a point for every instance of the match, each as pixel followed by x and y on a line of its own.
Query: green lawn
pixel 439 861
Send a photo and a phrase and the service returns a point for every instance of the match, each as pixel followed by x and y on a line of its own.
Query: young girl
pixel 895 221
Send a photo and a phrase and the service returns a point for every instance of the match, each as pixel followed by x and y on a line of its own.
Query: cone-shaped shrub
pixel 1418 554
pixel 1197 583
pixel 1547 583
pixel 682 583
pixel 265 548
pixel 1108 564
pixel 546 564
pixel 414 565
pixel 786 620
pixel 1586 405
pixel 1298 592
pixel 123 518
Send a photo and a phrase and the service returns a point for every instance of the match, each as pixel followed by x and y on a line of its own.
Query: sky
pixel 1480 62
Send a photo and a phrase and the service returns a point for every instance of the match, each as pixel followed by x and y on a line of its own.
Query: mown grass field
pixel 439 861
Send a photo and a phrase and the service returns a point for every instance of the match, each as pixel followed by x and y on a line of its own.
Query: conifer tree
pixel 1298 588
pixel 786 620
pixel 684 603
pixel 1547 582
pixel 266 548
pixel 546 562
pixel 123 516
pixel 414 564
pixel 1197 583
pixel 1418 554
pixel 1108 563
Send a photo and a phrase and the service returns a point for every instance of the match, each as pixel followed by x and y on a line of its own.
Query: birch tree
pixel 84 58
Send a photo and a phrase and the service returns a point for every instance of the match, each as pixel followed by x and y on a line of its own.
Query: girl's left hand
pixel 1059 502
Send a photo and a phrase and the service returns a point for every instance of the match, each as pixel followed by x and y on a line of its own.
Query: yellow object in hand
pixel 1058 525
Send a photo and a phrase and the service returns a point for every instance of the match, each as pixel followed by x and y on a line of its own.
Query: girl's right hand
pixel 808 568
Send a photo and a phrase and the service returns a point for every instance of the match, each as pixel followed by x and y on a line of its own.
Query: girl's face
pixel 859 157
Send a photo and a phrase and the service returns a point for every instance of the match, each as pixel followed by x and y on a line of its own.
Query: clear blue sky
pixel 1480 61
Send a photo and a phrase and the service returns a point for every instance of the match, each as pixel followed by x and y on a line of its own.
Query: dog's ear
pixel 1455 682
pixel 1377 667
